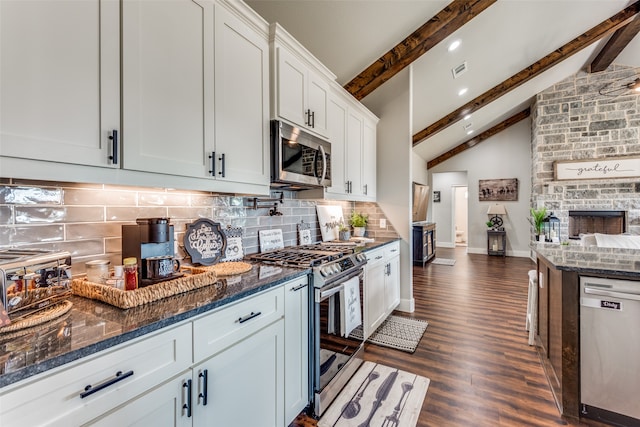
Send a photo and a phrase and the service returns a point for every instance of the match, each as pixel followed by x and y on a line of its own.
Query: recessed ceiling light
pixel 454 45
pixel 470 131
pixel 467 117
pixel 462 91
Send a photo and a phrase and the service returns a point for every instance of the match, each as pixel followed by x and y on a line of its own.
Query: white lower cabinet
pixel 373 292
pixel 226 368
pixel 392 277
pixel 296 342
pixel 382 285
pixel 160 407
pixel 87 389
pixel 244 383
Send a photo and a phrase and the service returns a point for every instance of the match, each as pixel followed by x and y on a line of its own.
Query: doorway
pixel 460 215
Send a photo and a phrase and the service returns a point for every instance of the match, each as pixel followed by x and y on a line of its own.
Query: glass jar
pixel 130 273
pixel 97 271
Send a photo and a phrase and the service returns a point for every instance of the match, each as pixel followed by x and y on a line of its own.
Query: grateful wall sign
pixel 610 168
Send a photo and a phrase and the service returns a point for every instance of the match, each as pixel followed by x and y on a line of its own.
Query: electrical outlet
pixel 383 223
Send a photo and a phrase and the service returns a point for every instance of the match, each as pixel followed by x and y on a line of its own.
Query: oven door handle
pixel 325 294
pixel 332 291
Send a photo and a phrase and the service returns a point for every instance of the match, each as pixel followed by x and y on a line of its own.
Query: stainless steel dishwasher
pixel 610 350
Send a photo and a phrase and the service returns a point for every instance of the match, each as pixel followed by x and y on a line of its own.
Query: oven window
pixel 335 349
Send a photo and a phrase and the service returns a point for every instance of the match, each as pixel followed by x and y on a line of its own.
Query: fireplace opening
pixel 605 222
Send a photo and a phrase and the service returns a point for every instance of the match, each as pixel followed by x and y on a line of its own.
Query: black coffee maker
pixel 150 238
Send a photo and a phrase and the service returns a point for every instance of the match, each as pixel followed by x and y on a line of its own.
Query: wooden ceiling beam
pixel 478 139
pixel 574 46
pixel 616 44
pixel 444 23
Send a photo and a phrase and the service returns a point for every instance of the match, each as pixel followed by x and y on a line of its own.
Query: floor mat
pixel 378 396
pixel 444 261
pixel 397 332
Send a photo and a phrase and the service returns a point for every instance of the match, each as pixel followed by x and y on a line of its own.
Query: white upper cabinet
pixel 301 84
pixel 337 121
pixel 355 124
pixel 59 81
pixel 369 158
pixel 167 86
pixel 352 133
pixel 241 96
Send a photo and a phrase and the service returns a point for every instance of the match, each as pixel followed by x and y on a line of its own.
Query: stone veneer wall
pixel 572 121
pixel 86 219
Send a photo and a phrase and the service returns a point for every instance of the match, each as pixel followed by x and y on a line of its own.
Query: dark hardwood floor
pixel 475 351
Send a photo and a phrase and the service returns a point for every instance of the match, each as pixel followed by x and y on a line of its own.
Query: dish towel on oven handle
pixel 350 313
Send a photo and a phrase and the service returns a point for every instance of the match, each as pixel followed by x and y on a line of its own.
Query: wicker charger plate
pixel 52 312
pixel 229 268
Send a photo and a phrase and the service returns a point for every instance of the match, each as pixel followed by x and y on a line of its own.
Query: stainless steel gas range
pixel 336 310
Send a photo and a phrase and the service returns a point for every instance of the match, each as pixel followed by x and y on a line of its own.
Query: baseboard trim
pixel 483 251
pixel 407 305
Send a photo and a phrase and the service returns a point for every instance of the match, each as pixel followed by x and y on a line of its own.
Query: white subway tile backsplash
pixel 6 215
pixel 87 219
pixel 93 230
pixel 86 196
pixel 120 213
pixel 26 234
pixel 30 195
pixel 42 214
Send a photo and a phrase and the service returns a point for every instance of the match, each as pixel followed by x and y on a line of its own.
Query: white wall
pixel 419 169
pixel 392 104
pixel 442 212
pixel 460 215
pixel 505 155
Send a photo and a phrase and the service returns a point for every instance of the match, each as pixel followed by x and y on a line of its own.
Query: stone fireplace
pixel 606 222
pixel 572 121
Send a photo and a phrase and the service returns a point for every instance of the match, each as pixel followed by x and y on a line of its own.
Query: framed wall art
pixel 627 167
pixel 498 190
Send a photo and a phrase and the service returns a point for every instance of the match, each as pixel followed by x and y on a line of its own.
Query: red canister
pixel 130 273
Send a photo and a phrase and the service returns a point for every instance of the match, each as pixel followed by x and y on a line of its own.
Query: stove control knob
pixel 324 272
pixel 336 268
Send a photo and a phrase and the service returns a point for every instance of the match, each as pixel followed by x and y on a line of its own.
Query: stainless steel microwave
pixel 298 159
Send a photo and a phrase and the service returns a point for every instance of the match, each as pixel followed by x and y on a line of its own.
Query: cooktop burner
pixel 305 255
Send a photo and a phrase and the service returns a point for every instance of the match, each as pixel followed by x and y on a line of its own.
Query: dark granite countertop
pixel 92 326
pixel 591 259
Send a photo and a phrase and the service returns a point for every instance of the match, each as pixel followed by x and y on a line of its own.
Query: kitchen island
pixel 559 269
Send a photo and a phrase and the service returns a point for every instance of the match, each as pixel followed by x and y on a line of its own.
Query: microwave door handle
pixel 324 164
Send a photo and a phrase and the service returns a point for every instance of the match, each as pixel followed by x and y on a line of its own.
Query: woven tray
pixel 50 313
pixel 126 299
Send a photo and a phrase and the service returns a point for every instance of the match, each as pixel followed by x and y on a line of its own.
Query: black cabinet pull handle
pixel 89 390
pixel 187 405
pixel 222 172
pixel 213 163
pixel 114 147
pixel 204 375
pixel 307 117
pixel 249 317
pixel 312 119
pixel 297 288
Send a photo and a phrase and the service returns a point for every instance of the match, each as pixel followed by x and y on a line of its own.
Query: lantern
pixel 551 228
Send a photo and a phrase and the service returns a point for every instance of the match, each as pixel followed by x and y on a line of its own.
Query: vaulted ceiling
pixel 512 49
